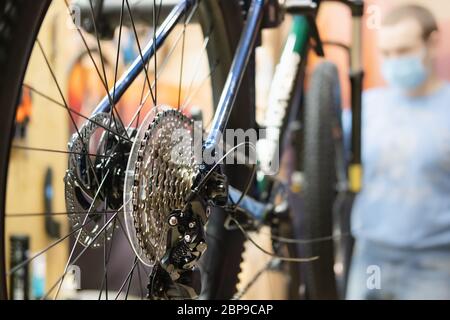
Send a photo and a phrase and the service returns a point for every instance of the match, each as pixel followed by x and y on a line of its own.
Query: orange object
pixel 25 107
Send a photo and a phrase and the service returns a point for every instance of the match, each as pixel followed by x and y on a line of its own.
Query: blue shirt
pixel 405 200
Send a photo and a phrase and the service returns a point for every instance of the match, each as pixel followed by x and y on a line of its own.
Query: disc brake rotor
pixel 160 173
pixel 89 176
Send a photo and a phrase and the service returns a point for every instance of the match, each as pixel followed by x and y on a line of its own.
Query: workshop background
pixel 79 81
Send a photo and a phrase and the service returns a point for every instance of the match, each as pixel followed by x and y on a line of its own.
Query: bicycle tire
pixel 318 156
pixel 23 19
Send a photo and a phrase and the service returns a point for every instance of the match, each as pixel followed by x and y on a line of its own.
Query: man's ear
pixel 433 41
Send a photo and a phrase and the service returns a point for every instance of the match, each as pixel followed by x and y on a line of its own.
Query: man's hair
pixel 423 16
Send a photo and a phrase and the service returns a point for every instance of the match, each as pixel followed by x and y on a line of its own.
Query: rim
pixel 149 92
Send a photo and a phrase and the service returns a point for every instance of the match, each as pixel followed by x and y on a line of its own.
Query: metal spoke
pixel 128 278
pixel 105 278
pixel 27 261
pixel 154 49
pixel 79 233
pixel 111 101
pixel 101 69
pixel 154 84
pixel 181 63
pixel 59 104
pixel 131 278
pixel 121 227
pixel 87 247
pixel 198 60
pixel 56 151
pixel 41 214
pixel 140 51
pixel 116 68
pixel 161 69
pixel 202 83
pixel 89 51
pixel 106 258
pixel 66 106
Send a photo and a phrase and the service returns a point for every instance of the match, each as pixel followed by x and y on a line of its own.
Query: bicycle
pixel 165 225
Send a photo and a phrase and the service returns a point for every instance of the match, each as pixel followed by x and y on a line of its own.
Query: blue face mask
pixel 405 73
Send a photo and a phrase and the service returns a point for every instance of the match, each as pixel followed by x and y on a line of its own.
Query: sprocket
pixel 160 173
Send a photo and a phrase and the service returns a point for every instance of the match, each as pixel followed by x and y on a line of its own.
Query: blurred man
pixel 401 219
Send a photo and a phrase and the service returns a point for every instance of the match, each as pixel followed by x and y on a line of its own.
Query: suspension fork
pixel 356 79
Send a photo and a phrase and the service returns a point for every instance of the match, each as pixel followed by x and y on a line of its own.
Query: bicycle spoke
pixel 27 261
pixel 203 81
pixel 105 258
pixel 111 100
pixel 41 214
pixel 198 60
pixel 140 51
pixel 154 49
pixel 104 283
pixel 87 247
pixel 59 104
pixel 85 148
pixel 116 68
pixel 129 240
pixel 56 151
pixel 161 69
pixel 79 233
pixel 122 228
pixel 127 279
pixel 154 84
pixel 181 63
pixel 131 278
pixel 89 51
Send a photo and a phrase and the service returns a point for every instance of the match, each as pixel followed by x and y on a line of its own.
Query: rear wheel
pixel 20 21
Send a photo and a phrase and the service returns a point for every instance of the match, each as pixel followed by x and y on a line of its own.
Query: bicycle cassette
pixel 95 177
pixel 160 173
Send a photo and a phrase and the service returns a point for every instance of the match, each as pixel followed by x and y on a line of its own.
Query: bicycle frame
pixel 300 33
pixel 234 79
pixel 235 76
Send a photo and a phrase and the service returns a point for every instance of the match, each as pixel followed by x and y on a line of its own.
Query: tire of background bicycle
pixel 20 21
pixel 322 101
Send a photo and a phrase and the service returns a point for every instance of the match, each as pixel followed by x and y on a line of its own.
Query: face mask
pixel 405 73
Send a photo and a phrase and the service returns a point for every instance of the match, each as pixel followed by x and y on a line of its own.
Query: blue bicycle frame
pixel 235 75
pixel 230 90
